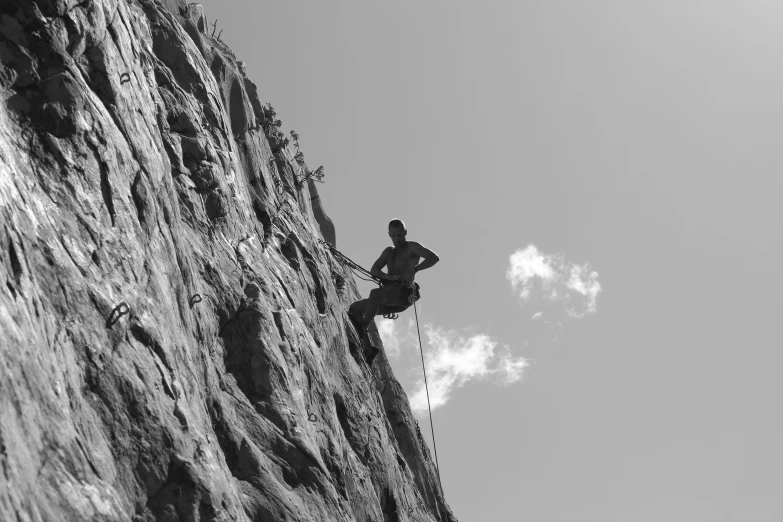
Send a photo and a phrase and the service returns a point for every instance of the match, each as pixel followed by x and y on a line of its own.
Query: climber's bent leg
pixel 363 312
pixel 374 302
pixel 356 310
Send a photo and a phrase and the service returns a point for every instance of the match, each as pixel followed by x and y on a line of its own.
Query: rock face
pixel 172 344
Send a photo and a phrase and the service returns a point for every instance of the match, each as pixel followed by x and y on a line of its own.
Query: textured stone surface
pixel 172 344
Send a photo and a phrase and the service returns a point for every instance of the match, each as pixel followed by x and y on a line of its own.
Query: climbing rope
pixel 426 387
pixel 360 272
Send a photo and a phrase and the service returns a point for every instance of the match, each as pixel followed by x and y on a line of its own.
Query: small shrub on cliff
pixel 317 175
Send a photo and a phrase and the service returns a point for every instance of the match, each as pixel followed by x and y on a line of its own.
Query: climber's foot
pixel 370 354
pixel 369 350
pixel 358 325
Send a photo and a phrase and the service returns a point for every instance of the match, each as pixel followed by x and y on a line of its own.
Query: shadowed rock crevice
pixel 291 252
pixel 16 265
pixel 237 112
pixel 350 429
pixel 389 506
pixel 320 295
pixel 144 200
pixel 259 209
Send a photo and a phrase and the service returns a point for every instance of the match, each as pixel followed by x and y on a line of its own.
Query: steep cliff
pixel 172 342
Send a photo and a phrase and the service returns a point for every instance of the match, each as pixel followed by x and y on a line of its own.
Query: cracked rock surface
pixel 172 342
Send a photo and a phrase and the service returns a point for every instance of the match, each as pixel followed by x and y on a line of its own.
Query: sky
pixel 601 181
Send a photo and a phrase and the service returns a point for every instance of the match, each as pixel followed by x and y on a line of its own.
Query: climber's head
pixel 397 232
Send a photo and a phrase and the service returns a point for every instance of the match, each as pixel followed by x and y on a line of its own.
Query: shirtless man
pixel 397 294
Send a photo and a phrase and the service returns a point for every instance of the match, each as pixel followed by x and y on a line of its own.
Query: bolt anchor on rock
pixel 115 315
pixel 195 300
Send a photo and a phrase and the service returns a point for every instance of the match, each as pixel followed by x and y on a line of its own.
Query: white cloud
pixel 452 361
pixel 537 315
pixel 511 369
pixel 549 277
pixel 388 332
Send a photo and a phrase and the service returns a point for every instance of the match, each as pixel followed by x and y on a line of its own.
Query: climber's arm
pixel 429 257
pixel 377 267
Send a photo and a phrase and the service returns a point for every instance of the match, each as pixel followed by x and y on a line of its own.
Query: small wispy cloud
pixel 550 278
pixel 453 360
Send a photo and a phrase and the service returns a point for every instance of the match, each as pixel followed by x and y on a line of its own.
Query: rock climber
pixel 402 262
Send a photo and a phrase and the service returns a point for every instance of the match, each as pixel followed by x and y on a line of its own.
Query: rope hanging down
pixel 426 387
